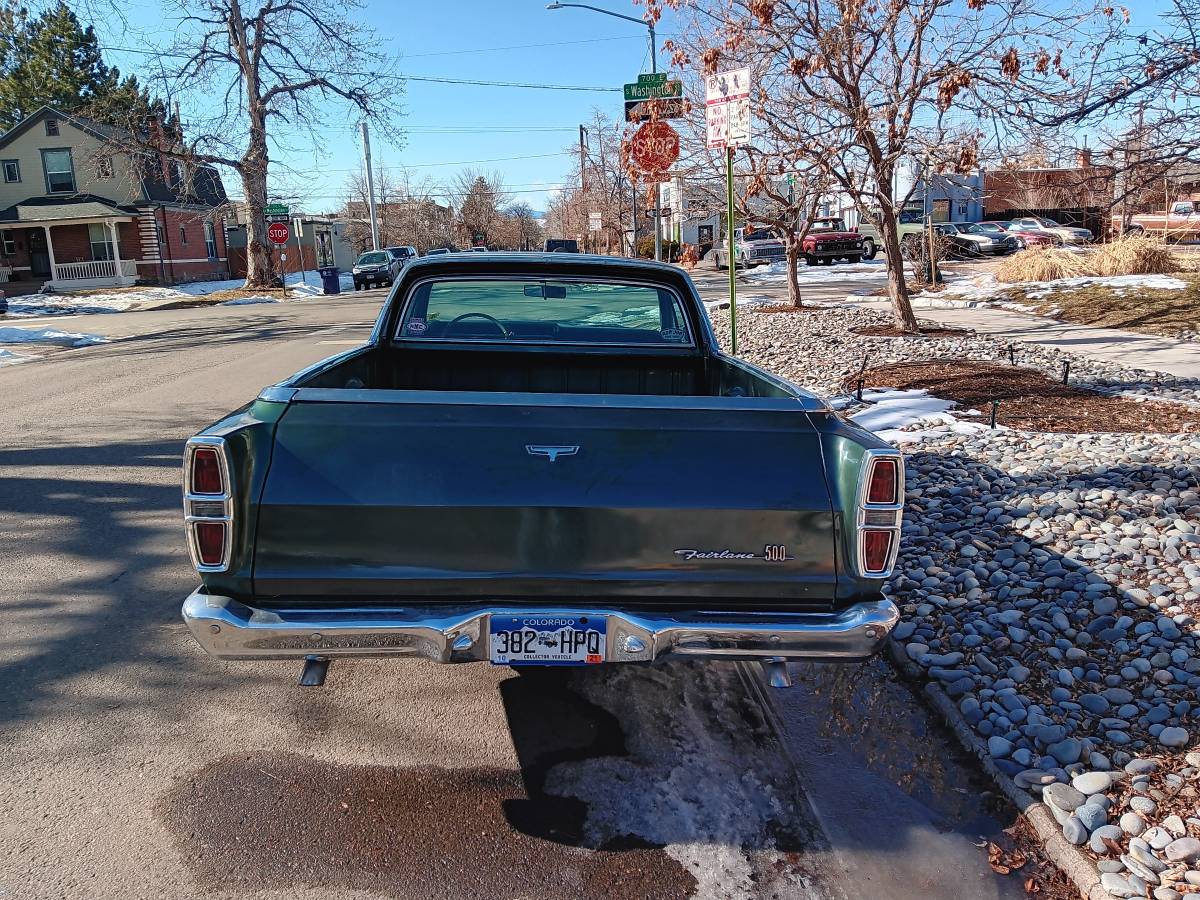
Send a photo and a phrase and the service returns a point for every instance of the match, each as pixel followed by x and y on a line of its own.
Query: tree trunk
pixel 792 253
pixel 259 260
pixel 902 309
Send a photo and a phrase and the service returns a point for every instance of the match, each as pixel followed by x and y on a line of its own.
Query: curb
pixel 1079 868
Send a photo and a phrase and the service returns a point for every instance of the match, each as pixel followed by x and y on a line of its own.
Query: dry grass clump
pixel 1128 255
pixel 1135 255
pixel 1042 264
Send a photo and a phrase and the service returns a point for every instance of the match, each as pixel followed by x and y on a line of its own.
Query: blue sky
pixel 474 39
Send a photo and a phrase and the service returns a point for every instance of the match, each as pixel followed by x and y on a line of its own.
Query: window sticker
pixel 415 326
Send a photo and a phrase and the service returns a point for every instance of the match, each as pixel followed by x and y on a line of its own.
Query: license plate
pixel 547 640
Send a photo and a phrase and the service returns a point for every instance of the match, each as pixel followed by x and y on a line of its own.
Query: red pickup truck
pixel 829 240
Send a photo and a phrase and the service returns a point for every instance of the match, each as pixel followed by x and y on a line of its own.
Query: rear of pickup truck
pixel 607 487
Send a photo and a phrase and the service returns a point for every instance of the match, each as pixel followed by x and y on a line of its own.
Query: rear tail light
pixel 880 510
pixel 206 471
pixel 207 503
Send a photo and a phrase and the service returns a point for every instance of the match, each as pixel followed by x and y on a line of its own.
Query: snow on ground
pixel 889 413
pixel 11 335
pixel 984 289
pixel 776 272
pixel 743 300
pixel 8 358
pixel 141 297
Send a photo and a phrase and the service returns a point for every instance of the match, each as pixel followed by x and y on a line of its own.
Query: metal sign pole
pixel 732 257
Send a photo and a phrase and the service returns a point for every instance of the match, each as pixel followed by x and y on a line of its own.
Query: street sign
pixel 727 108
pixel 278 233
pixel 595 221
pixel 639 110
pixel 664 90
pixel 655 146
pixel 652 78
pixel 275 209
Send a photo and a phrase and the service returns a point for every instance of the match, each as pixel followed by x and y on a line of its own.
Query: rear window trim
pixel 691 348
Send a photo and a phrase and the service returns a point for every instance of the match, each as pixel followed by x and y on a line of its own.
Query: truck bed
pixel 387 368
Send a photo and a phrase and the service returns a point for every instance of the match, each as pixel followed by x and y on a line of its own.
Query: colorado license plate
pixel 547 640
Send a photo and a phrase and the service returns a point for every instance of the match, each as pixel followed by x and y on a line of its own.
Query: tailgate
pixel 427 495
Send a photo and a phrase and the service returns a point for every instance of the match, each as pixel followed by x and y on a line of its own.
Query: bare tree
pixel 892 83
pixel 479 198
pixel 270 63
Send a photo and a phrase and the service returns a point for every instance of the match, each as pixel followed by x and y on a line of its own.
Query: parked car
pixel 517 468
pixel 1042 225
pixel 910 224
pixel 1024 239
pixel 437 251
pixel 966 240
pixel 404 254
pixel 1180 223
pixel 560 245
pixel 828 240
pixel 751 247
pixel 375 267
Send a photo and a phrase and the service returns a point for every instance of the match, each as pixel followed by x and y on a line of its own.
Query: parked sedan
pixel 967 240
pixel 1042 225
pixel 1024 239
pixel 375 267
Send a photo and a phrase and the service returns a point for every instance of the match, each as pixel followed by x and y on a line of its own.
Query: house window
pixel 8 243
pixel 182 235
pixel 158 233
pixel 176 172
pixel 210 240
pixel 60 173
pixel 104 167
pixel 12 170
pixel 98 237
pixel 52 128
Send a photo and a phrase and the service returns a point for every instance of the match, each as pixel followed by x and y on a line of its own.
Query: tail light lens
pixel 877 547
pixel 882 486
pixel 880 511
pixel 206 471
pixel 208 503
pixel 210 542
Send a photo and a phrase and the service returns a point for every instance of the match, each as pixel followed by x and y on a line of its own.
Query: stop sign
pixel 278 232
pixel 655 146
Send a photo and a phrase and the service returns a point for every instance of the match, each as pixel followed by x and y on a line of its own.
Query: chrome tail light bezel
pixel 200 508
pixel 886 517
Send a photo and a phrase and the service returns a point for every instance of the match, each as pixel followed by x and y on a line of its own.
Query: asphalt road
pixel 134 766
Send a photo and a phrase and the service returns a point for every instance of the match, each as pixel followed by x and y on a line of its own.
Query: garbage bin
pixel 330 279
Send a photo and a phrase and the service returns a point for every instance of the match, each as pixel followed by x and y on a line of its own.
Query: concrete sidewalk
pixel 1128 348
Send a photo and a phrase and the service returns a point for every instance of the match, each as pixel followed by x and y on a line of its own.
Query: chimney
pixel 1083 158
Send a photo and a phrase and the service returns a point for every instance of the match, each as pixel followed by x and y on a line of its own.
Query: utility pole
pixel 366 142
pixel 657 186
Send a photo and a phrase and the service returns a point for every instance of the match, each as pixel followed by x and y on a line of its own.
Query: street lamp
pixel 654 69
pixel 609 12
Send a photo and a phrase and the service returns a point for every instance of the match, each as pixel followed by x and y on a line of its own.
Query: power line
pixel 623 37
pixel 400 167
pixel 430 79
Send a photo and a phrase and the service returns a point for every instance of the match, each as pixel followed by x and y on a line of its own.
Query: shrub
pixel 1128 255
pixel 1135 255
pixel 645 248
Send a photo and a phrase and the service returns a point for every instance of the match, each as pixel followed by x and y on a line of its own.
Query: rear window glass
pixel 504 310
pixel 373 258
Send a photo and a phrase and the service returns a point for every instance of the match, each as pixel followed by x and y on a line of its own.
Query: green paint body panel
pixel 391 472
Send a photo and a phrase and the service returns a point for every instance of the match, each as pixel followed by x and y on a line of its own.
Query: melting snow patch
pixel 699 779
pixel 11 335
pixel 8 358
pixel 891 415
pixel 776 272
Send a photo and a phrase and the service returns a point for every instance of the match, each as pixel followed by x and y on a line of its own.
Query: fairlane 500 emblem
pixel 770 553
pixel 552 452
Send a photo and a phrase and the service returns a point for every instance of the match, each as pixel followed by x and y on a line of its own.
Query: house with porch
pixel 79 209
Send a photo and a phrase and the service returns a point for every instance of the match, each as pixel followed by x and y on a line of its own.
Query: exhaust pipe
pixel 776 670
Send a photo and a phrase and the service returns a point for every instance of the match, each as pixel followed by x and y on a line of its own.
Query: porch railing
pixel 95 268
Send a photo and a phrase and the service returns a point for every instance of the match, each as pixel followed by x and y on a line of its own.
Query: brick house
pixel 79 210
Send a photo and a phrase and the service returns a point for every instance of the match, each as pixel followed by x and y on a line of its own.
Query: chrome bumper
pixel 228 629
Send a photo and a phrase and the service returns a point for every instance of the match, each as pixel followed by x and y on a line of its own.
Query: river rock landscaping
pixel 1049 584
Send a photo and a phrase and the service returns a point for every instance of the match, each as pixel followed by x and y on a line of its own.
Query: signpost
pixel 727 120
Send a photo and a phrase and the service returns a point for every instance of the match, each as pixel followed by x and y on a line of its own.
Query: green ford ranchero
pixel 540 459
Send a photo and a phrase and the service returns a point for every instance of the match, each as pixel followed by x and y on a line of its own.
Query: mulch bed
pixel 934 331
pixel 1030 400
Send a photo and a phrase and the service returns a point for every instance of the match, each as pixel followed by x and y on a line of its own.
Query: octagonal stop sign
pixel 655 146
pixel 278 232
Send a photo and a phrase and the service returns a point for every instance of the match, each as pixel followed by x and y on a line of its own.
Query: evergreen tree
pixel 53 60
